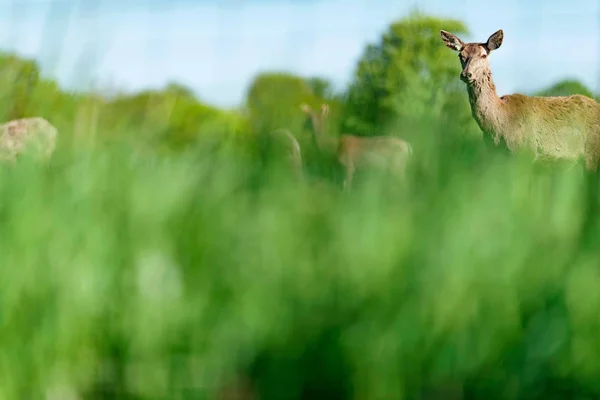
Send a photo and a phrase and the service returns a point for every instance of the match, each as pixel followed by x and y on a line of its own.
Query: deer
pixel 354 152
pixel 18 135
pixel 552 128
pixel 294 153
pixel 561 127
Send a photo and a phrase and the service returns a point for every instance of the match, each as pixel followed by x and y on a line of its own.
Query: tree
pixel 274 100
pixel 18 78
pixel 321 87
pixel 565 88
pixel 170 117
pixel 179 90
pixel 409 75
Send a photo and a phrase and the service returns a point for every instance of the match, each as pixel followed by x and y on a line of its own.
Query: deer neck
pixel 486 106
pixel 325 143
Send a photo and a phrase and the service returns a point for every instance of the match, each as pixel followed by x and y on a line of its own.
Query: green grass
pixel 130 275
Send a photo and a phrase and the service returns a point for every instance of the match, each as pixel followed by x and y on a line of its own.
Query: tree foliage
pixel 566 87
pixel 406 76
pixel 18 79
pixel 273 101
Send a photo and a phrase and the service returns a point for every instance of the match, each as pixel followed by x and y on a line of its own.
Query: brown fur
pixel 239 389
pixel 18 135
pixel 565 127
pixel 356 152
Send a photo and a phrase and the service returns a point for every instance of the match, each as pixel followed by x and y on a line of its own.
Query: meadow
pixel 167 249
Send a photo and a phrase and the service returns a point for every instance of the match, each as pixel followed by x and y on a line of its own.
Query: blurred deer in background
pixel 25 134
pixel 353 152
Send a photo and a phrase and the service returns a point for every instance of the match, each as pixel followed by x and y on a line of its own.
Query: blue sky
pixel 217 46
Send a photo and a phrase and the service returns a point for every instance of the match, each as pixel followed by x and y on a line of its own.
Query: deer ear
pixel 495 41
pixel 324 109
pixel 305 107
pixel 452 41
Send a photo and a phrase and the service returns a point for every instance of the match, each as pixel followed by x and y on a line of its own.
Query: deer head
pixel 305 108
pixel 473 56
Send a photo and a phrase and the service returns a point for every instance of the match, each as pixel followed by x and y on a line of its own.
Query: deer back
pixel 566 127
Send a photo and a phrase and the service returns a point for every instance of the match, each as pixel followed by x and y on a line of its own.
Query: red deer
pixel 552 128
pixel 562 127
pixel 354 152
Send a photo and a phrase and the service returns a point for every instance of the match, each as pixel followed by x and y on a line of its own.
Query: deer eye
pixel 484 56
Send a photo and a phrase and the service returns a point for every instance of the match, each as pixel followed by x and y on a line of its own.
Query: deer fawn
pixel 17 135
pixel 553 128
pixel 353 152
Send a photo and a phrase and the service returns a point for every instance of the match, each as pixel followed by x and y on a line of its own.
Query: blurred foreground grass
pixel 127 275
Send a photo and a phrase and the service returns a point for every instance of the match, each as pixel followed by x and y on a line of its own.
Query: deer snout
pixel 466 76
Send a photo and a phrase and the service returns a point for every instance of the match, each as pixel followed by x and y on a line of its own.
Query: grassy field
pixel 132 275
pixel 168 250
